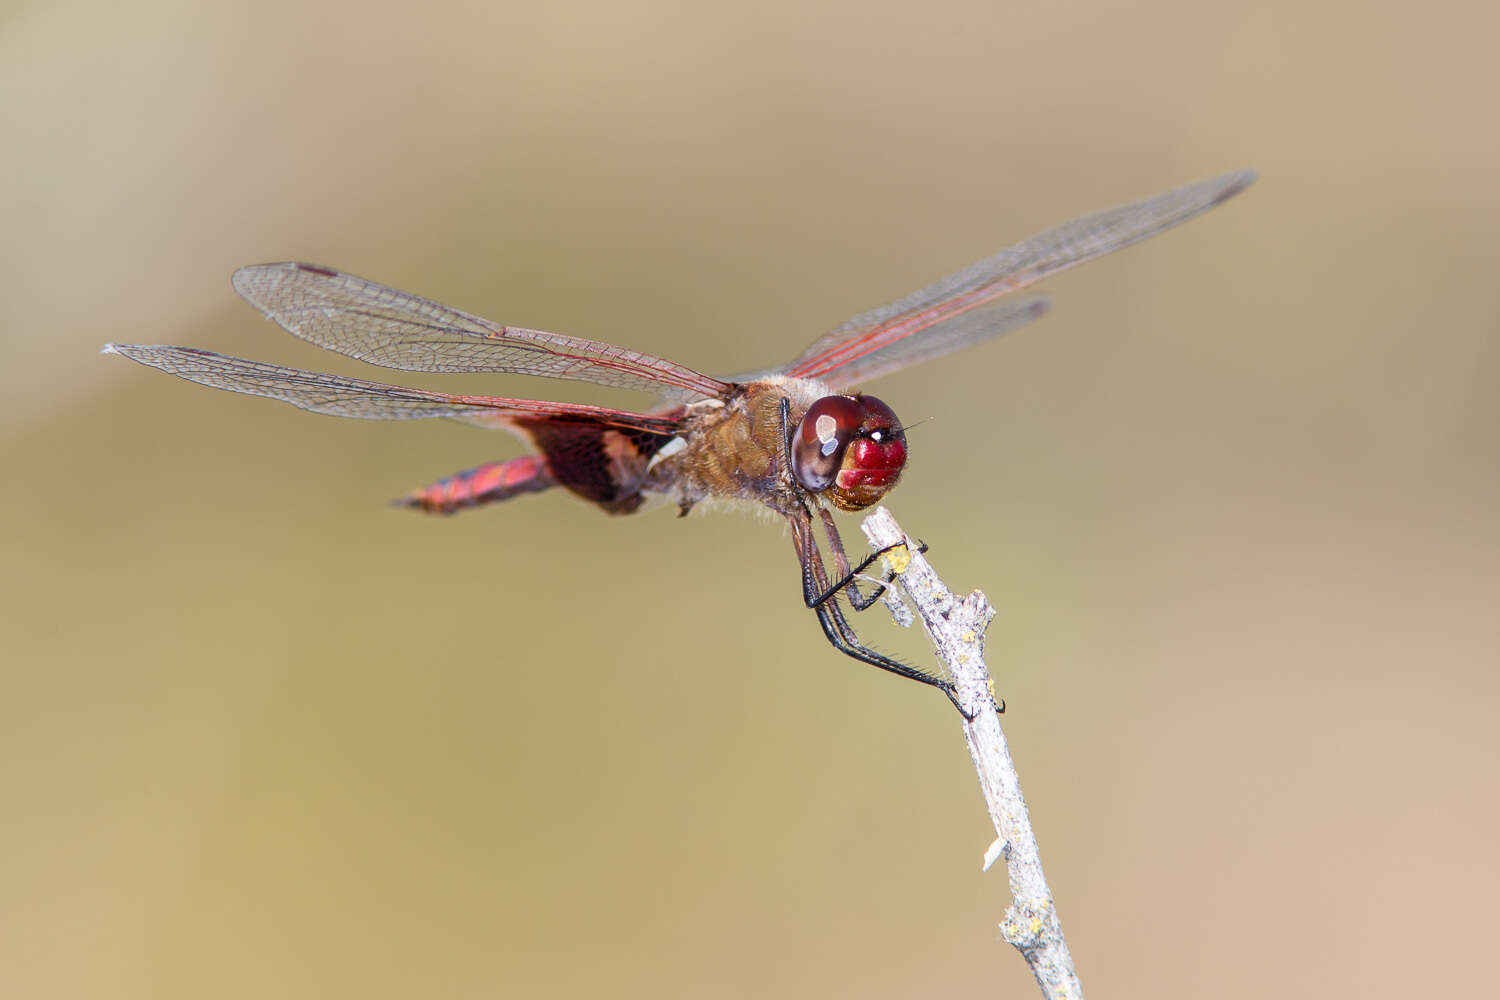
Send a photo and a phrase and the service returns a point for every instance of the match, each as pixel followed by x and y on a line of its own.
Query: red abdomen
pixel 486 484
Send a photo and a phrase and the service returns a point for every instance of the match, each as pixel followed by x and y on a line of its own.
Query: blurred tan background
pixel 261 735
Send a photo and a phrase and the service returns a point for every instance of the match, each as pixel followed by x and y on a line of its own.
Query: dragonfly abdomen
pixel 486 484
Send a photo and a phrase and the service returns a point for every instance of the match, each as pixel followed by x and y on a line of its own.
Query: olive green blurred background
pixel 1235 499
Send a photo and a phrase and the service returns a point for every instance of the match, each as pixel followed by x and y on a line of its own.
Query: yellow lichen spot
pixel 898 559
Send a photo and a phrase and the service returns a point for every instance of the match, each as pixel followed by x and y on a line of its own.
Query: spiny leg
pixel 847 577
pixel 818 597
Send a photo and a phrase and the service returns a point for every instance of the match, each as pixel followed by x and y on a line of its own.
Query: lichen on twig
pixel 957 629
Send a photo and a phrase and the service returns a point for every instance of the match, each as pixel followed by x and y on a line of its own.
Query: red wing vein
pixel 383 326
pixel 857 348
pixel 351 397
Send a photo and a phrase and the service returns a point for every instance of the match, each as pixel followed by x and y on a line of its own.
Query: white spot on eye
pixel 827 430
pixel 877 435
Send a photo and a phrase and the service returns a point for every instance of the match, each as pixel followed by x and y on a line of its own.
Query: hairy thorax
pixel 734 449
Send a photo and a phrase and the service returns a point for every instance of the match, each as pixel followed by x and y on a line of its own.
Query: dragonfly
pixel 802 439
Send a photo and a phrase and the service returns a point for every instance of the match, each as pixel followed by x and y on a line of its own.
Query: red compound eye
pixel 825 432
pixel 852 446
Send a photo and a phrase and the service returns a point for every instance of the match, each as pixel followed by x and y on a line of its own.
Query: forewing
pixel 867 343
pixel 386 327
pixel 958 331
pixel 352 397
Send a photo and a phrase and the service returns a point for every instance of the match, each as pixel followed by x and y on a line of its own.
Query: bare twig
pixel 957 629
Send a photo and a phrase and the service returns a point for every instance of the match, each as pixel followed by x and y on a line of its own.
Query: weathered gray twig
pixel 957 628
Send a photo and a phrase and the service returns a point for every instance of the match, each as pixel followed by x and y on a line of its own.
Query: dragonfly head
pixel 851 449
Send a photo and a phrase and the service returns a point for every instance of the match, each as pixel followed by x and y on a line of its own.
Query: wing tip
pixel 135 352
pixel 244 279
pixel 1233 183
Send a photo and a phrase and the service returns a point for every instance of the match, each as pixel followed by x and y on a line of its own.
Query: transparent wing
pixel 386 327
pixel 352 397
pixel 978 324
pixel 885 339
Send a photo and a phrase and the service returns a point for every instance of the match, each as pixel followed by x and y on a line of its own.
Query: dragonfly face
pixel 798 440
pixel 850 448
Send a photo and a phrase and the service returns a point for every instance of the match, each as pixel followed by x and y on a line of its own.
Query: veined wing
pixel 352 397
pixel 386 327
pixel 885 339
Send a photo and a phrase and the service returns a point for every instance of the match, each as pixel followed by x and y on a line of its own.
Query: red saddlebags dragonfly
pixel 799 439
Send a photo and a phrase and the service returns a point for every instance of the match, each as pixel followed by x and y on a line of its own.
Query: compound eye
pixel 880 420
pixel 822 436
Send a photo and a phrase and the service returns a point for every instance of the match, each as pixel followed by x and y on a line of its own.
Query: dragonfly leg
pixel 820 598
pixel 847 577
